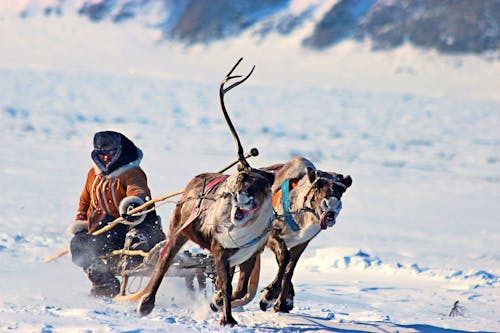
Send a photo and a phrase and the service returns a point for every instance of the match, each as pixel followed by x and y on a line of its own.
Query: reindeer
pixel 231 216
pixel 306 201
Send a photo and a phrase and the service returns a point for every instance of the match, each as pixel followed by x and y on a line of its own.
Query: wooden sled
pixel 187 265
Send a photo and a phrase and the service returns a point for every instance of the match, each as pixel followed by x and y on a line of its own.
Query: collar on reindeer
pixel 284 195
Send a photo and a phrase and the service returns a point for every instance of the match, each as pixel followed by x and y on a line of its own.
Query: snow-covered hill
pixel 73 43
pixel 436 25
pixel 417 131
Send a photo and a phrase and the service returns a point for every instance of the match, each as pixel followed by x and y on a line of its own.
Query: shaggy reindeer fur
pixel 314 205
pixel 234 224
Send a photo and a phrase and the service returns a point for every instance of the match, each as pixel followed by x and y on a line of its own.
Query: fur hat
pixel 107 139
pixel 127 152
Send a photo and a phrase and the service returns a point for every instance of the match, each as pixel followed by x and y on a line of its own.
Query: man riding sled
pixel 115 185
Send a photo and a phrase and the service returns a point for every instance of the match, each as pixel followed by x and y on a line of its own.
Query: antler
pixel 222 92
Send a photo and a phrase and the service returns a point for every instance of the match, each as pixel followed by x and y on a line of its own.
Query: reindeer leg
pixel 271 292
pixel 202 283
pixel 216 303
pixel 217 300
pixel 284 304
pixel 291 295
pixel 189 283
pixel 247 285
pixel 250 284
pixel 224 278
pixel 244 276
pixel 147 301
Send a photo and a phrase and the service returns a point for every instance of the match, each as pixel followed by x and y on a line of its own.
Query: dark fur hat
pixel 107 139
pixel 127 151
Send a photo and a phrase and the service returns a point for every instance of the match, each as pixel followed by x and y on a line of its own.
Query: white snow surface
pixel 417 131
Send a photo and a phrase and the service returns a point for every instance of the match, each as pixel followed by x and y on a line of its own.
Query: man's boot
pixel 104 283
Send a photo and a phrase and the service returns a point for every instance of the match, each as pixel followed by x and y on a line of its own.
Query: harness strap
pixel 285 200
pixel 258 238
pixel 194 213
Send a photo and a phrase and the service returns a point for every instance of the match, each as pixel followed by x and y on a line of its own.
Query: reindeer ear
pixel 311 174
pixel 270 177
pixel 242 177
pixel 347 181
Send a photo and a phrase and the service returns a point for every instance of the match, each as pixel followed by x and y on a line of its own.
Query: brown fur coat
pixel 102 194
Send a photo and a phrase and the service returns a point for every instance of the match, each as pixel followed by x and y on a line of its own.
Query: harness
pixel 195 213
pixel 256 239
pixel 284 195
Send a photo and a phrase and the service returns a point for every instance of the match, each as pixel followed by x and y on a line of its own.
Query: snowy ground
pixel 419 229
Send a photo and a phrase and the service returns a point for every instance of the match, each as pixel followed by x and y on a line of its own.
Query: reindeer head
pixel 327 189
pixel 249 192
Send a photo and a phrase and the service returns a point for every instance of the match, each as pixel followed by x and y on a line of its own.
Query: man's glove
pixel 78 226
pixel 129 203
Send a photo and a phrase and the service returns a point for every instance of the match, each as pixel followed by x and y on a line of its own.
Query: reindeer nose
pixel 332 204
pixel 242 199
pixel 337 205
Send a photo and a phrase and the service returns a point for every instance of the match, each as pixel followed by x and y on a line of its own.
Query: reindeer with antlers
pixel 306 201
pixel 229 215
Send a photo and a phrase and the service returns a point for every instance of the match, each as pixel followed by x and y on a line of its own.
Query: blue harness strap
pixel 258 238
pixel 285 199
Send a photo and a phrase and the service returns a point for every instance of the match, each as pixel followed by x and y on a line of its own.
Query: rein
pixel 284 195
pixel 195 213
pixel 285 200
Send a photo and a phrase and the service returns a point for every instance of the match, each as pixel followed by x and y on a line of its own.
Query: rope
pixel 195 213
pixel 144 212
pixel 120 219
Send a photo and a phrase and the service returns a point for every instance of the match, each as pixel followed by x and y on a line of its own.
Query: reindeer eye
pixel 332 191
pixel 324 204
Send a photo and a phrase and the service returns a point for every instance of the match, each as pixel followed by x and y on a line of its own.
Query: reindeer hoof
pixel 265 304
pixel 228 321
pixel 217 302
pixel 146 305
pixel 278 307
pixel 289 304
pixel 214 307
pixel 262 306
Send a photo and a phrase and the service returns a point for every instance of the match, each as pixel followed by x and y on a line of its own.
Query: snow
pixel 417 131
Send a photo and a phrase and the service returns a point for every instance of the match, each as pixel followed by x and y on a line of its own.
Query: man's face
pixel 106 154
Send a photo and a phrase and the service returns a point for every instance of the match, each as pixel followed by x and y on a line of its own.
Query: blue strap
pixel 285 199
pixel 258 238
